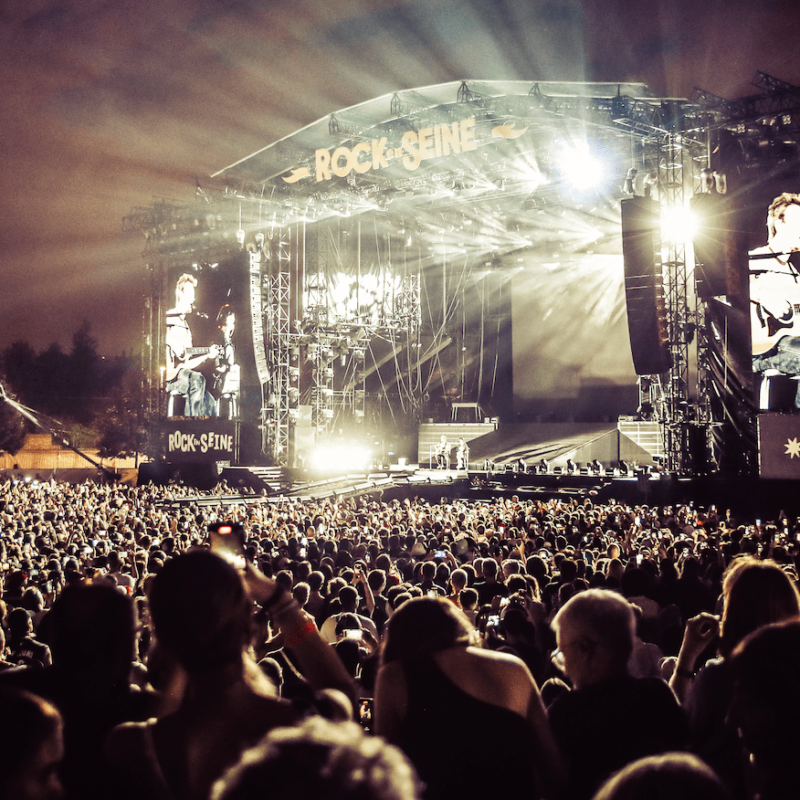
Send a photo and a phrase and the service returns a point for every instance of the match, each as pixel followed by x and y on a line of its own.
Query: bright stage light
pixel 678 224
pixel 341 458
pixel 582 169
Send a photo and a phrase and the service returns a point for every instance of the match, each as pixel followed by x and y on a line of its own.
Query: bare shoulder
pixel 497 678
pixel 500 662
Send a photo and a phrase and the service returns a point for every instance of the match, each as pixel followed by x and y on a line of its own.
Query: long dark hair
pixel 424 625
pixel 756 593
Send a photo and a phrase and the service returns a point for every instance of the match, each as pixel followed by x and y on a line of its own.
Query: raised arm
pixel 316 658
pixel 700 631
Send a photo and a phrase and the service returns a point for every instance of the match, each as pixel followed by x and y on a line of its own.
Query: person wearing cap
pixel 348 597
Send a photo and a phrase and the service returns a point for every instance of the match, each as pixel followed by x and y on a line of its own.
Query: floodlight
pixel 582 169
pixel 678 224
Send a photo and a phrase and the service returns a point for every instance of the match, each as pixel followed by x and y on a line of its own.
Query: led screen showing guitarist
pixel 183 359
pixel 228 372
pixel 775 292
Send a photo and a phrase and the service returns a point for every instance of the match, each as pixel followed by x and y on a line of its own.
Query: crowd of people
pixel 546 648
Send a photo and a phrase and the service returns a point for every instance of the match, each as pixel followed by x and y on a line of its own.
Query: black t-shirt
pixel 445 734
pixel 29 652
pixel 487 591
pixel 603 727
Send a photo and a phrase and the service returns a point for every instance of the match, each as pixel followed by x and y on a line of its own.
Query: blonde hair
pixel 778 208
pixel 183 281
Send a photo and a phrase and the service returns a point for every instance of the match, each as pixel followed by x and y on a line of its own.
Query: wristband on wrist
pixel 684 673
pixel 293 639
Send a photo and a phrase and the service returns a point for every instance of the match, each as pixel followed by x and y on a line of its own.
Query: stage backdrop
pixel 571 346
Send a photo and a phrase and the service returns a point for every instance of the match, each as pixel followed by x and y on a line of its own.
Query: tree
pixel 82 379
pixel 119 423
pixel 49 387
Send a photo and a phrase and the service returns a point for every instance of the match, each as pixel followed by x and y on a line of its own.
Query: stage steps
pixel 645 434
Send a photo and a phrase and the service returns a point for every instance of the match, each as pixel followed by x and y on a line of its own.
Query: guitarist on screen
pixel 182 358
pixel 775 292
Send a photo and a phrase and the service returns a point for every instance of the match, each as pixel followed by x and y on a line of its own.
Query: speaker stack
pixel 644 286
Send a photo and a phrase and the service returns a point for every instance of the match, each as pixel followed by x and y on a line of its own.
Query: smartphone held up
pixel 227 541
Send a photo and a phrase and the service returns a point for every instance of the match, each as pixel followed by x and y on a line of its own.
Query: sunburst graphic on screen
pixel 792 448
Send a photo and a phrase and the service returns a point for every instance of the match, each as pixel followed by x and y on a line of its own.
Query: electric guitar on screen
pixel 192 357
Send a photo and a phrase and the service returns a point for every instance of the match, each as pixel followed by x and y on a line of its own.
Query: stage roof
pixel 474 169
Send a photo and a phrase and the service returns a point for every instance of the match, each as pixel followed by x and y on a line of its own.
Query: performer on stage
pixel 775 292
pixel 227 377
pixel 462 454
pixel 182 358
pixel 443 453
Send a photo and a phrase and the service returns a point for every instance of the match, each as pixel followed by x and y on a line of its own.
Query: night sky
pixel 107 104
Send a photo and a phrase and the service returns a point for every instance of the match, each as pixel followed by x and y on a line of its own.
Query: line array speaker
pixel 644 286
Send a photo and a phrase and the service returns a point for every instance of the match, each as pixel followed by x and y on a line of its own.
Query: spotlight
pixel 341 457
pixel 543 467
pixel 597 467
pixel 623 468
pixel 571 468
pixel 582 169
pixel 678 224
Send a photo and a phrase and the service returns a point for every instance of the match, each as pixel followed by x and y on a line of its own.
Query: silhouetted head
pixel 320 759
pixel 93 631
pixel 756 593
pixel 664 777
pixel 31 747
pixel 200 611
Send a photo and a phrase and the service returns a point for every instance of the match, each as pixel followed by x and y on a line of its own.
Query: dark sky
pixel 107 104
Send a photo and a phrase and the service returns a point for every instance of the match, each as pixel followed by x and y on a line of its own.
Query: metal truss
pixel 320 351
pixel 674 161
pixel 153 331
pixel 276 412
pixel 778 98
